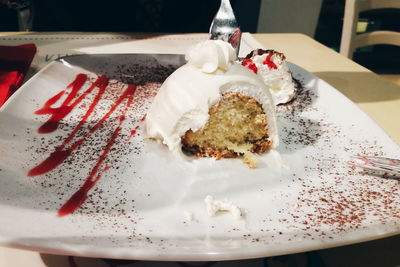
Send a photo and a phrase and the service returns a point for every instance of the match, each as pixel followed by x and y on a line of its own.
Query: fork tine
pixel 225 27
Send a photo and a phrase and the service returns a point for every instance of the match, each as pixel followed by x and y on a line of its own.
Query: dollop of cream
pixel 215 206
pixel 211 55
pixel 278 79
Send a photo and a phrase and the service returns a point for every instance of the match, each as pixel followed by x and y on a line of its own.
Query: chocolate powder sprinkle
pixel 330 196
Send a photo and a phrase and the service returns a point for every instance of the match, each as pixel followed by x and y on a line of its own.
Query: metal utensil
pixel 225 27
pixel 381 164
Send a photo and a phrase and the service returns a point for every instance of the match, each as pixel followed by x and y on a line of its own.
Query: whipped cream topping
pixel 214 206
pixel 186 96
pixel 211 55
pixel 271 67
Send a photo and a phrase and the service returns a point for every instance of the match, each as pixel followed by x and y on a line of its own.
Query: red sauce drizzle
pixel 269 62
pixel 58 156
pixel 248 63
pixel 61 153
pixel 80 196
pixel 133 132
pixel 57 114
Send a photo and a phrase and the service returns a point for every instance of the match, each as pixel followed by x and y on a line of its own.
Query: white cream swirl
pixel 211 55
pixel 278 79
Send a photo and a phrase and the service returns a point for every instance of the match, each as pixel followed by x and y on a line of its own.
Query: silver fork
pixel 225 27
pixel 386 165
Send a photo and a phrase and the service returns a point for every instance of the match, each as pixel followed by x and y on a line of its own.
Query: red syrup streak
pixel 81 195
pixel 57 114
pixel 60 154
pixel 248 63
pixel 133 132
pixel 269 62
pixel 106 168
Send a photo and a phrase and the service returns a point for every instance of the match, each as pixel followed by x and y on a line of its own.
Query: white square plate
pixel 144 203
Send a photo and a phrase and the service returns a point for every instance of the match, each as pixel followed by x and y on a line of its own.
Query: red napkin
pixel 14 64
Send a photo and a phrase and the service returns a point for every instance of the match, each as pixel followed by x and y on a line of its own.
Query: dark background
pixel 382 59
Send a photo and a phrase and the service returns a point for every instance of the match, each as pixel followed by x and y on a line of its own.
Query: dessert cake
pixel 214 107
pixel 271 66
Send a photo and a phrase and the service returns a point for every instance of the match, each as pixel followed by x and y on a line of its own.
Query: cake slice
pixel 214 107
pixel 237 125
pixel 271 66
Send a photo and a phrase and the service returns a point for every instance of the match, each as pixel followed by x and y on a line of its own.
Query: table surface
pixel 379 98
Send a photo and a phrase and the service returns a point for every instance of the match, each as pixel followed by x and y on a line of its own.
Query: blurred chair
pixel 351 40
pixel 288 16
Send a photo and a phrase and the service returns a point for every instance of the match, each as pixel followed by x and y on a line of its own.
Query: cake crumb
pixel 215 206
pixel 250 160
pixel 188 216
